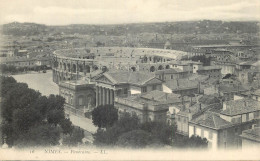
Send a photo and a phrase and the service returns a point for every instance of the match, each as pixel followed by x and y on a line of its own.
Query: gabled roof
pixel 136 78
pixel 241 106
pixel 160 98
pixel 181 84
pixel 210 120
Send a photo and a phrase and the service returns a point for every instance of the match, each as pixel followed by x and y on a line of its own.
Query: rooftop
pixel 210 68
pixel 138 78
pixel 257 92
pixel 209 99
pixel 241 106
pixel 170 71
pixel 232 88
pixel 210 120
pixel 252 134
pixel 181 84
pixel 248 63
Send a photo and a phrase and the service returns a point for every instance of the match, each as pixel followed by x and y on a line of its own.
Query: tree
pixel 197 142
pixel 110 136
pixel 41 135
pixel 163 132
pixel 127 122
pixel 134 139
pixel 29 119
pixel 55 109
pixel 24 119
pixel 66 126
pixel 75 138
pixel 17 96
pixel 104 116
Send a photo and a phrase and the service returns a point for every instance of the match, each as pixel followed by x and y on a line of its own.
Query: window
pixel 154 87
pixel 247 116
pixel 80 100
pixel 125 91
pixel 171 76
pixel 210 135
pixel 144 89
pixel 202 133
pixel 194 130
pixel 179 118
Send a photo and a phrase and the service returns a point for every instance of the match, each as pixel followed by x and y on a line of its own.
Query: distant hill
pixel 23 29
pixel 183 27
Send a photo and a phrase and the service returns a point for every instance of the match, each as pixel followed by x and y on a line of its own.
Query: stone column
pixel 104 96
pixel 111 96
pixel 100 96
pixel 97 95
pixel 108 96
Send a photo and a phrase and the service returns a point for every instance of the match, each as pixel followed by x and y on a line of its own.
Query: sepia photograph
pixel 129 80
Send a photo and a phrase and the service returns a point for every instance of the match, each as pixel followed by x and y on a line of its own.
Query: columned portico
pixel 104 96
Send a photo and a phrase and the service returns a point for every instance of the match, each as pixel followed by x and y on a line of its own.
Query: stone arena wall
pixel 71 64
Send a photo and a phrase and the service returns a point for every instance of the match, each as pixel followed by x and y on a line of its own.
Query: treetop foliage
pixel 30 119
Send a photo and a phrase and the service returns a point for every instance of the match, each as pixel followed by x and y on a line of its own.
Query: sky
pixel 64 12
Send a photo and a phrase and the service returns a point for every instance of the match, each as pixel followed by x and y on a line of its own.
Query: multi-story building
pixel 223 129
pixel 79 96
pixel 251 138
pixel 211 71
pixel 188 112
pixel 150 106
pixel 124 84
pixel 170 74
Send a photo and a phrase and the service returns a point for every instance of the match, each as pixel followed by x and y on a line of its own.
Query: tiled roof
pixel 247 63
pixel 209 99
pixel 241 106
pixel 231 88
pixel 210 120
pixel 199 107
pixel 197 77
pixel 159 95
pixel 252 134
pixel 158 98
pixel 182 84
pixel 257 92
pixel 210 68
pixel 138 78
pixel 170 71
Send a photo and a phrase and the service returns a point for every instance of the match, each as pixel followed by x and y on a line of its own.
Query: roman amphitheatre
pixel 72 64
